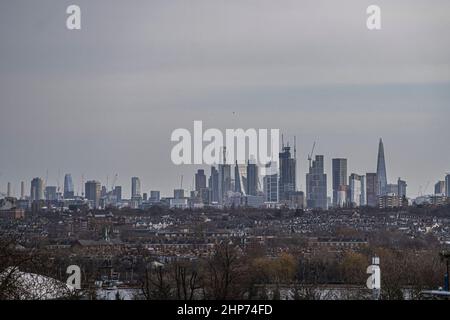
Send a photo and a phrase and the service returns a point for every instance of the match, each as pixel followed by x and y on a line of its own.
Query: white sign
pixel 374 281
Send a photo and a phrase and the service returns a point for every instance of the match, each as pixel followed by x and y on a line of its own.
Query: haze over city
pixel 105 99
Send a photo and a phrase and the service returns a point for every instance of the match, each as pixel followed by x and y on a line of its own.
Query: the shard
pixel 381 170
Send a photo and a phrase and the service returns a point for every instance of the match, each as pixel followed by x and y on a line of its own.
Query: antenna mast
pixel 311 154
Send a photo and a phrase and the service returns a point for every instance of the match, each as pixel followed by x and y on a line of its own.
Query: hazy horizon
pixel 105 99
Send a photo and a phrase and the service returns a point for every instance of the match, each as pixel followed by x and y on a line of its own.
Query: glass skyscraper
pixel 316 185
pixel 339 171
pixel 287 173
pixel 381 170
pixel 68 187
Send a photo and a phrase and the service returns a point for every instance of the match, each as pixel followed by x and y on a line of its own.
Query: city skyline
pixel 338 176
pixel 105 99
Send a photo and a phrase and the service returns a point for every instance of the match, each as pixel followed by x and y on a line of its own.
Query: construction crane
pixel 423 191
pixel 82 185
pixel 114 181
pixel 295 147
pixel 426 187
pixel 58 181
pixel 311 154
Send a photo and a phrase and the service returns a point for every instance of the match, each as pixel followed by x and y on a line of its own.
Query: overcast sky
pixel 105 99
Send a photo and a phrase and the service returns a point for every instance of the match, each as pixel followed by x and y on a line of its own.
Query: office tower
pixel 381 170
pixel 103 192
pixel 372 189
pixel 178 193
pixel 252 178
pixel 135 187
pixel 155 196
pixel 92 191
pixel 37 189
pixel 68 187
pixel 118 193
pixel 339 170
pixel 356 189
pixel 50 193
pixel 447 185
pixel 439 188
pixel 8 189
pixel 224 178
pixel 270 182
pixel 297 200
pixel 316 185
pixel 200 180
pixel 136 197
pixel 363 201
pixel 22 190
pixel 401 184
pixel 205 195
pixel 392 189
pixel 239 179
pixel 214 184
pixel 288 165
pixel 343 196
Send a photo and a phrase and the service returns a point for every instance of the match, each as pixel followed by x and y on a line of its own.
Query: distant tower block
pixel 22 190
pixel 381 170
pixel 8 192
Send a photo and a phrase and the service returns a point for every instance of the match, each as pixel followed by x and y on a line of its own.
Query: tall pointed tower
pixel 381 170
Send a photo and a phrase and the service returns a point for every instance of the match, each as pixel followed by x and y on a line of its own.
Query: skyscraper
pixel 22 190
pixel 439 188
pixel 155 196
pixel 135 187
pixel 270 183
pixel 287 173
pixel 372 189
pixel 214 184
pixel 8 189
pixel 50 193
pixel 363 191
pixel 447 185
pixel 401 185
pixel 357 190
pixel 316 185
pixel 381 170
pixel 224 177
pixel 252 179
pixel 205 195
pixel 343 196
pixel 200 180
pixel 118 193
pixel 92 190
pixel 238 179
pixel 178 193
pixel 68 187
pixel 339 171
pixel 37 189
pixel 392 189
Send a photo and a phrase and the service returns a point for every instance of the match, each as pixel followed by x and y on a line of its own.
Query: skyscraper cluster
pixel 368 189
pixel 232 185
